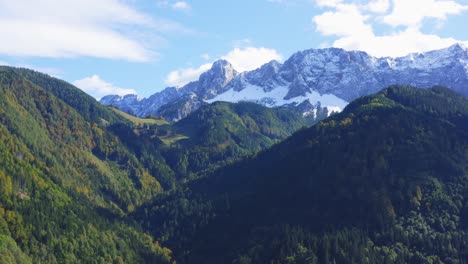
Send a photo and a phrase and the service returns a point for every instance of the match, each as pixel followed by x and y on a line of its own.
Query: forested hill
pixel 87 106
pixel 221 133
pixel 71 170
pixel 385 181
pixel 65 180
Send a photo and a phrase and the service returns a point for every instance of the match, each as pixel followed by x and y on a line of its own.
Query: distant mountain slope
pixel 329 76
pixel 385 181
pixel 66 181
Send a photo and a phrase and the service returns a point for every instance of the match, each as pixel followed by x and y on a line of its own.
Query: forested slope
pixel 71 170
pixel 66 180
pixel 385 181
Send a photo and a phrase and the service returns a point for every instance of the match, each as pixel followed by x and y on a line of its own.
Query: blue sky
pixel 143 46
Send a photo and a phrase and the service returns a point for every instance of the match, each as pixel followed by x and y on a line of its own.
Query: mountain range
pixel 382 181
pixel 315 78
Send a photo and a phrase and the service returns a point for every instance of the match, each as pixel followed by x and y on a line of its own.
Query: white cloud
pixel 250 58
pixel 181 5
pixel 346 20
pixel 180 77
pixel 97 87
pixel 412 13
pixel 353 25
pixel 4 63
pixel 163 3
pixel 242 43
pixel 55 28
pixel 205 56
pixel 175 5
pixel 379 6
pixel 395 45
pixel 329 3
pixel 242 59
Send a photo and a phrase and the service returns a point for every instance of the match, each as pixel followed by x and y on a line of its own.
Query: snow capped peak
pixel 222 72
pixel 458 47
pixel 273 64
pixel 221 69
pixel 336 54
pixel 108 99
pixel 131 97
pixel 269 68
pixel 221 64
pixel 127 97
pixel 214 80
pixel 328 77
pixel 432 59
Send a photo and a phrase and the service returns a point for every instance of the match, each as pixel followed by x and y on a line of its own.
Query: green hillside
pixel 385 181
pixel 71 170
pixel 140 121
pixel 66 181
pixel 214 136
pixel 221 133
pixel 89 108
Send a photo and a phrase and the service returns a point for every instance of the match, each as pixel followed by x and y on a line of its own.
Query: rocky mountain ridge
pixel 329 77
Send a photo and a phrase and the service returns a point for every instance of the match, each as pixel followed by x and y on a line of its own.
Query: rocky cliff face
pixel 327 78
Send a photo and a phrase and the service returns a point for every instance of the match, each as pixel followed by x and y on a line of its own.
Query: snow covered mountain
pixel 318 78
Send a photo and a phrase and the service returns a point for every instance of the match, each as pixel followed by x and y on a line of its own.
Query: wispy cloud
pixel 242 43
pixel 181 5
pixel 175 5
pixel 353 24
pixel 205 56
pixel 97 87
pixel 110 29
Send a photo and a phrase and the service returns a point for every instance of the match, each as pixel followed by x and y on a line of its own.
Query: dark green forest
pixel 384 181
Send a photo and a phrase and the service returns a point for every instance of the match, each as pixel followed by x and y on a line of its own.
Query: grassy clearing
pixel 172 138
pixel 141 121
